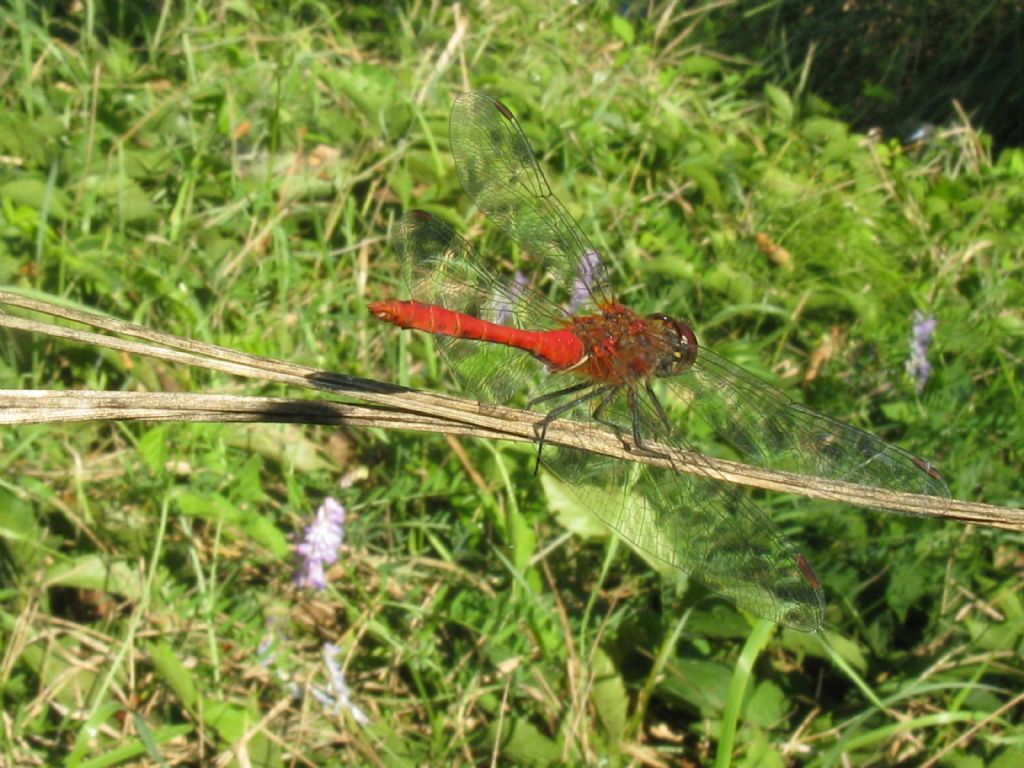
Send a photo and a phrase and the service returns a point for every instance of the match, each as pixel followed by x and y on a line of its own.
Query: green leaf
pixel 908 583
pixel 782 105
pixel 248 484
pixel 207 506
pixel 728 281
pixel 35 140
pixel 129 749
pixel 609 696
pixel 170 669
pixel 90 571
pixel 700 66
pixel 19 528
pixel 66 682
pixel 702 684
pixel 761 753
pixel 1010 322
pixel 129 201
pixel 379 95
pixel 570 512
pixel 702 169
pixel 32 192
pixel 766 706
pixel 264 530
pixel 287 444
pixel 959 759
pixel 98 716
pixel 623 29
pixel 232 723
pixel 522 741
pixel 820 128
pixel 1011 757
pixel 152 447
pixel 849 650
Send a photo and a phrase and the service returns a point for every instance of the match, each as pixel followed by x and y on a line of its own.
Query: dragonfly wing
pixel 775 432
pixel 703 527
pixel 441 268
pixel 499 172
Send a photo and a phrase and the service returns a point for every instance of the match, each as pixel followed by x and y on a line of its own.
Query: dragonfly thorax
pixel 618 345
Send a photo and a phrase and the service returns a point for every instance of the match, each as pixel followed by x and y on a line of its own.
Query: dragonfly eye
pixel 681 345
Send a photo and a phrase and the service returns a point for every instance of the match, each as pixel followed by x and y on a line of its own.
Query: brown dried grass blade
pixel 390 407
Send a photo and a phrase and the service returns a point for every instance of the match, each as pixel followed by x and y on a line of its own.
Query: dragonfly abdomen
pixel 559 349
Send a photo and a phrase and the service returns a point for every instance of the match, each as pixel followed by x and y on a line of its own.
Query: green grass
pixel 230 174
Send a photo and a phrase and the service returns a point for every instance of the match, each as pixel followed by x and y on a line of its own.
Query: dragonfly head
pixel 680 345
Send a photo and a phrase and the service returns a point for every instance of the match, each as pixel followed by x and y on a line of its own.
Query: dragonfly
pixel 564 340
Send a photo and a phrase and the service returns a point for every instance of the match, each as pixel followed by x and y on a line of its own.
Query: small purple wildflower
pixel 319 546
pixel 504 305
pixel 337 695
pixel 588 273
pixel 918 366
pixel 266 652
pixel 267 657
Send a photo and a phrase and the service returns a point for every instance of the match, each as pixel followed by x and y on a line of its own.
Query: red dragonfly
pixel 567 342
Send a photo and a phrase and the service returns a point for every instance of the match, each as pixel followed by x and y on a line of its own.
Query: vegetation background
pixel 797 180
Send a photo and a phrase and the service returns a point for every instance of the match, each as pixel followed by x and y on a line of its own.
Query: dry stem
pixel 391 407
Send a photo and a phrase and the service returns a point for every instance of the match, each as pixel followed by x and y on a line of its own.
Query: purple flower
pixel 506 303
pixel 918 366
pixel 319 546
pixel 266 653
pixel 336 695
pixel 588 273
pixel 341 691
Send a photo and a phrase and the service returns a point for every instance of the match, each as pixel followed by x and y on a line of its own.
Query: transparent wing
pixel 775 432
pixel 443 269
pixel 706 528
pixel 499 172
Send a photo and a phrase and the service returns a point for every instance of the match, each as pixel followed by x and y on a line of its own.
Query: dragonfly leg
pixel 634 410
pixel 611 392
pixel 541 427
pixel 600 407
pixel 657 407
pixel 560 393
